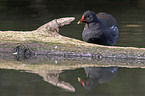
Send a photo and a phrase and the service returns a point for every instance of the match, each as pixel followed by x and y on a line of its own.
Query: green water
pixel 126 82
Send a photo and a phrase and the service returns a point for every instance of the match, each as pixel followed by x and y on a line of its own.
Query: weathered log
pixel 46 40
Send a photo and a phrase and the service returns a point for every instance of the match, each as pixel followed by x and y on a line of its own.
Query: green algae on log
pixel 47 40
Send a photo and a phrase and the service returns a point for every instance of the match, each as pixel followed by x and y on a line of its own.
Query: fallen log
pixel 47 40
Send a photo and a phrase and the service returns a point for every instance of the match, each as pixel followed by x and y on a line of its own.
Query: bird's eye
pixel 87 17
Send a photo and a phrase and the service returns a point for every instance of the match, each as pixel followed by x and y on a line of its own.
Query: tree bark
pixel 47 41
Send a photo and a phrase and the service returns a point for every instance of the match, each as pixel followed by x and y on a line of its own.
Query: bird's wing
pixel 106 19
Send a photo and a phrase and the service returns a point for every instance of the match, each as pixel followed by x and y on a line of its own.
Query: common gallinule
pixel 99 29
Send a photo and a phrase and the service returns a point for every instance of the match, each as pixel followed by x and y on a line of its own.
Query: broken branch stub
pixel 53 26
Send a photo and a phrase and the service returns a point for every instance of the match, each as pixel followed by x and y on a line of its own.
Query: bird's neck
pixel 95 25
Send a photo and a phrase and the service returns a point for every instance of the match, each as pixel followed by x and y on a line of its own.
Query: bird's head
pixel 88 17
pixel 88 83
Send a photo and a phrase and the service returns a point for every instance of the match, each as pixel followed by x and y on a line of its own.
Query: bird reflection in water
pixel 89 77
pixel 96 76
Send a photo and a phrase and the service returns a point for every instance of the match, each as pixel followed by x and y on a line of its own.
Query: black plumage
pixel 99 29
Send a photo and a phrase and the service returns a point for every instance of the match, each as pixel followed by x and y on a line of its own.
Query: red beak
pixel 81 20
pixel 81 81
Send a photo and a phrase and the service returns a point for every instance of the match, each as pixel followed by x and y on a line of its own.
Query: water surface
pixel 108 82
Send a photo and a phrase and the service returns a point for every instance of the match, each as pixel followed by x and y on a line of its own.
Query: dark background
pixel 30 14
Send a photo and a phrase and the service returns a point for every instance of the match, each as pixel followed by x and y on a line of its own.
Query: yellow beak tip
pixel 79 22
pixel 79 79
